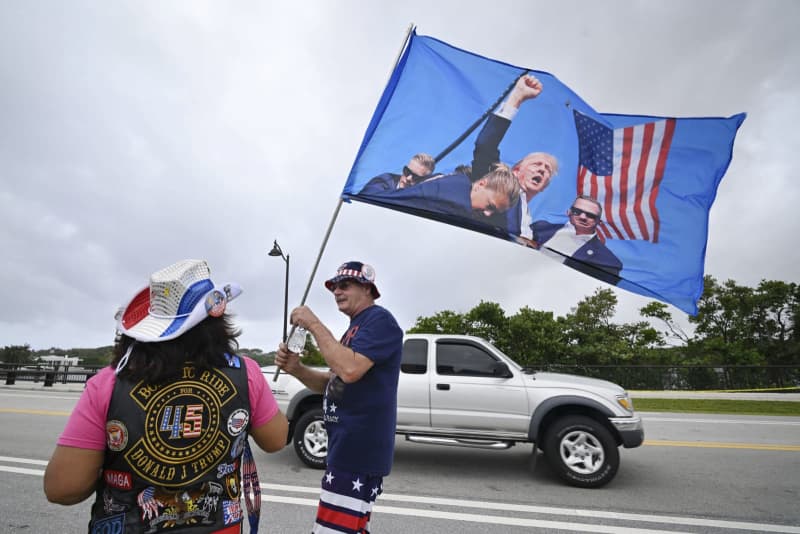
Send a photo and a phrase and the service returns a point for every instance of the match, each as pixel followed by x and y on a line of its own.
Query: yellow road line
pixel 722 445
pixel 33 412
pixel 649 442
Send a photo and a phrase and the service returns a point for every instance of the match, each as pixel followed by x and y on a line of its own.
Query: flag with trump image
pixel 514 153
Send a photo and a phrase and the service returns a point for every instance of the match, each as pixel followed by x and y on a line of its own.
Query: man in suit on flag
pixel 576 243
pixel 419 167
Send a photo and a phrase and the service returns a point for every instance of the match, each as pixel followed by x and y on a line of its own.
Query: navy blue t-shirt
pixel 361 417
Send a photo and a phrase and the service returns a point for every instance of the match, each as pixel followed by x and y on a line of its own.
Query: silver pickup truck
pixel 461 390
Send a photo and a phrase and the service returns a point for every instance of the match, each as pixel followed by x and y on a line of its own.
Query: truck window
pixel 463 360
pixel 415 357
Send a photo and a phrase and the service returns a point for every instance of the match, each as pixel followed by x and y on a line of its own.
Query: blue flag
pixel 514 153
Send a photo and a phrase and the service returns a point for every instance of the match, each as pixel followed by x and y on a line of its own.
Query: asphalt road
pixel 695 473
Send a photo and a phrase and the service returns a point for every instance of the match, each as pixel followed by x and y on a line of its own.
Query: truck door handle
pixel 444 387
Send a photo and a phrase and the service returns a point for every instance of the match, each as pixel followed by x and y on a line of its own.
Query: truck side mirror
pixel 501 370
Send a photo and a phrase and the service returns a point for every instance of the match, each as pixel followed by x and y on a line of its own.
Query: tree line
pixel 735 325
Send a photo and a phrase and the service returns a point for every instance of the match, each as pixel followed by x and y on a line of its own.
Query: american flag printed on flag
pixel 622 169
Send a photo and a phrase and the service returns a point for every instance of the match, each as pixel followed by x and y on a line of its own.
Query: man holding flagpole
pixel 360 397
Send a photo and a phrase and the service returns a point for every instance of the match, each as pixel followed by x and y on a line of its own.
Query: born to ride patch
pixel 182 438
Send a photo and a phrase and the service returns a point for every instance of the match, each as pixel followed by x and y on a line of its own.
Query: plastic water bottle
pixel 297 341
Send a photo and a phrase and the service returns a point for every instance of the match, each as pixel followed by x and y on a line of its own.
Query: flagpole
pixel 477 123
pixel 339 206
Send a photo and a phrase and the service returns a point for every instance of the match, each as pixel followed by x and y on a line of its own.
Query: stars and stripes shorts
pixel 345 502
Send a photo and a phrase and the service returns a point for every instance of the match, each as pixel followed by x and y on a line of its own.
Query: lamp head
pixel 276 250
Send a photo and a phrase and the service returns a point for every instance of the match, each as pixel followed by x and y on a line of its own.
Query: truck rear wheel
pixel 581 451
pixel 310 439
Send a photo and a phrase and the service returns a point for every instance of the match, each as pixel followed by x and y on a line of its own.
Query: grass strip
pixel 723 406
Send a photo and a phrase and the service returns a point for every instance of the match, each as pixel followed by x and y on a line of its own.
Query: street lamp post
pixel 276 251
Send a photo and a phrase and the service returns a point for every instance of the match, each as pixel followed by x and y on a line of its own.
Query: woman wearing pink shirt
pixel 161 436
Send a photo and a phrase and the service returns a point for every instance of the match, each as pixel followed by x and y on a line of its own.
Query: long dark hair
pixel 205 345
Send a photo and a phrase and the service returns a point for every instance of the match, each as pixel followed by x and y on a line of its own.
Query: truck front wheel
pixel 310 439
pixel 581 451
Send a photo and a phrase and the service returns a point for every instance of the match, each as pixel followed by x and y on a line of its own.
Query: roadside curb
pixel 33 386
pixel 755 396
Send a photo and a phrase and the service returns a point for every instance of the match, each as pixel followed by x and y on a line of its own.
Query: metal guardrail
pixel 689 377
pixel 48 375
pixel 637 377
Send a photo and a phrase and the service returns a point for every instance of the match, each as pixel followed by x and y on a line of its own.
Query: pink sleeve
pixel 86 426
pixel 262 404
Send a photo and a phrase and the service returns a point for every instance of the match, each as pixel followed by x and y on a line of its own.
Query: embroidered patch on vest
pixel 238 446
pixel 118 479
pixel 110 506
pixel 238 421
pixel 109 525
pixel 225 469
pixel 232 511
pixel 164 510
pixel 232 485
pixel 182 440
pixel 116 435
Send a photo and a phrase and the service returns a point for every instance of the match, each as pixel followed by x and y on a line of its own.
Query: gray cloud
pixel 135 135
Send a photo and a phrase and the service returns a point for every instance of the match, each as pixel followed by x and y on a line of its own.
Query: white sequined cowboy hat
pixel 177 299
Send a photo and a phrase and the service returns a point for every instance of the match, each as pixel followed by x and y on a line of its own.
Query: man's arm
pixel 487 144
pixel 543 231
pixel 289 362
pixel 346 363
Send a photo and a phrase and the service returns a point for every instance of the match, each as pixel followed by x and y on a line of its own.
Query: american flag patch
pixel 238 421
pixel 231 512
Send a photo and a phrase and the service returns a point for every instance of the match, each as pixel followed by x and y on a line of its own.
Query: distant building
pixel 53 359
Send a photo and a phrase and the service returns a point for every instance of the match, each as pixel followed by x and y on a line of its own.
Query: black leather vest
pixel 173 454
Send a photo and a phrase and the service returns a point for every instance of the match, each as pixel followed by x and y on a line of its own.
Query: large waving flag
pixel 514 153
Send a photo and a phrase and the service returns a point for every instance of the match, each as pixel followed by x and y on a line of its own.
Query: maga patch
pixel 118 479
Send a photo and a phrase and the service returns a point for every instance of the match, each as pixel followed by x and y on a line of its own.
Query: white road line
pixel 537 523
pixel 21 470
pixel 497 506
pixel 722 421
pixel 487 519
pixel 36 396
pixel 22 460
pixel 551 510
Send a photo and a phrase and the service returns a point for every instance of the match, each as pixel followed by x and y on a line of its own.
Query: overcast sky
pixel 135 134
